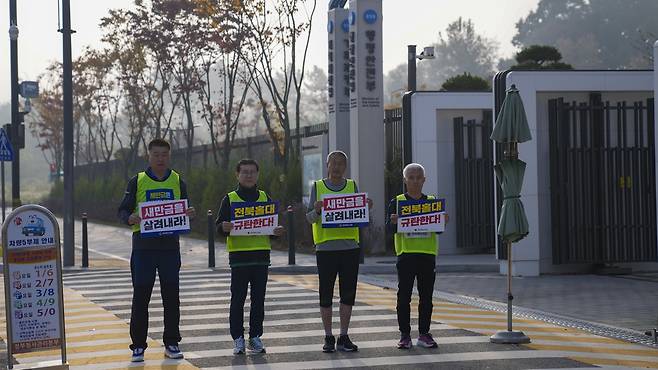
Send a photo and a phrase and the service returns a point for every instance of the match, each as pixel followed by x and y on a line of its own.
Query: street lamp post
pixel 67 90
pixel 15 115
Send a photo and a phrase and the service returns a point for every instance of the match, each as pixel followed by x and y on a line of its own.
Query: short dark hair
pixel 246 161
pixel 160 143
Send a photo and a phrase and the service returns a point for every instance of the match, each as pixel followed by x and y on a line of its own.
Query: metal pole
pixel 509 286
pixel 411 67
pixel 291 236
pixel 85 242
pixel 211 241
pixel 15 116
pixel 67 84
pixel 2 179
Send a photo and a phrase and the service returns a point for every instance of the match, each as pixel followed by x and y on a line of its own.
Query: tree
pixel 594 33
pixel 539 57
pixel 278 66
pixel 314 101
pixel 466 82
pixel 459 50
pixel 227 21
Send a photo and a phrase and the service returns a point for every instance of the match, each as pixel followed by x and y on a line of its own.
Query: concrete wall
pixel 532 255
pixel 433 146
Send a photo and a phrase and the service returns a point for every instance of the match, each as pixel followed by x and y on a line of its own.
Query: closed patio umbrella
pixel 511 128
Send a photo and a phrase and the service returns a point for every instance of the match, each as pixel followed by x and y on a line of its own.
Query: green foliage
pixel 100 196
pixel 540 57
pixel 466 82
pixel 592 34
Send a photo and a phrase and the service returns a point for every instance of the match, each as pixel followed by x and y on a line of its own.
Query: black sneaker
pixel 345 344
pixel 329 344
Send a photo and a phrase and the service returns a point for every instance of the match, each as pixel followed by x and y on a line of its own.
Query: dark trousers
pixel 343 263
pixel 422 269
pixel 143 265
pixel 241 278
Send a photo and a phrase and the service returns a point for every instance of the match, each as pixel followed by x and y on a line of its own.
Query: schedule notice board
pixel 33 282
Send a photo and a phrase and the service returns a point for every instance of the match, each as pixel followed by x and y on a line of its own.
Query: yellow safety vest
pixel 405 244
pixel 320 234
pixel 243 243
pixel 150 190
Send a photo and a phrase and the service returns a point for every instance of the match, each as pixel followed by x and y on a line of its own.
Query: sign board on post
pixel 254 218
pixel 6 151
pixel 345 210
pixel 34 301
pixel 421 216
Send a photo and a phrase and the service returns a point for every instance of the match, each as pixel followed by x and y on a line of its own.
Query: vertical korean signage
pixel 338 79
pixel 33 281
pixel 367 154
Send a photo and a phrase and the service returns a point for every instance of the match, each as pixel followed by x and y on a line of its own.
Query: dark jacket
pixel 242 258
pixel 128 205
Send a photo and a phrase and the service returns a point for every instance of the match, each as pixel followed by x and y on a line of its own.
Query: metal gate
pixel 474 184
pixel 603 181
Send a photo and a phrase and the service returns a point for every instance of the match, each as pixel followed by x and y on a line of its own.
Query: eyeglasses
pixel 247 173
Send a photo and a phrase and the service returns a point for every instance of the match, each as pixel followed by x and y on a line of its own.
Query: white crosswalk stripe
pixel 293 330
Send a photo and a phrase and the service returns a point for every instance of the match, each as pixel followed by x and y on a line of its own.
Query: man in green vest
pixel 151 254
pixel 416 261
pixel 337 253
pixel 249 259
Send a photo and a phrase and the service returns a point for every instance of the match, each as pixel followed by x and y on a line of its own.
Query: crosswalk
pixel 97 307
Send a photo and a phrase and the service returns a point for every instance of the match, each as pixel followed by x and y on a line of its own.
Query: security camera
pixel 427 53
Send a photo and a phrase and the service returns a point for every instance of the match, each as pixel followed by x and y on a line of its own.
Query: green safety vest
pixel 243 243
pixel 150 190
pixel 405 244
pixel 320 234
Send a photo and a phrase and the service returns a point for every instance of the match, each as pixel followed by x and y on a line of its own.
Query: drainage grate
pixel 567 322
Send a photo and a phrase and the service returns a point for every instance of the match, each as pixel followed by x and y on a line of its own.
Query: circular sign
pixel 345 25
pixel 330 26
pixel 352 18
pixel 370 16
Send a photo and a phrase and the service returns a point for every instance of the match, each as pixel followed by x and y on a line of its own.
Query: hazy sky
pixel 405 22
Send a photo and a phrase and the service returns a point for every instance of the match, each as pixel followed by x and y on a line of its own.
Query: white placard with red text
pixel 345 210
pixel 163 217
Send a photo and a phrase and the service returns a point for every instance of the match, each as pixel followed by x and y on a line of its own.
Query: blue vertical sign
pixel 6 151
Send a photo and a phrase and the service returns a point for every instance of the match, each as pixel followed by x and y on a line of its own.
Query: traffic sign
pixel 6 151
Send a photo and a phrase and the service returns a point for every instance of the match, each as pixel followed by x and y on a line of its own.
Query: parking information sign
pixel 33 281
pixel 345 210
pixel 254 218
pixel 163 217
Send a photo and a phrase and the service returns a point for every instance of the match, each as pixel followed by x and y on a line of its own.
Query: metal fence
pixel 603 181
pixel 474 184
pixel 258 147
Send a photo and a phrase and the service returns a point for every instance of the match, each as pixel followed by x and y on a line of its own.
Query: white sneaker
pixel 238 346
pixel 172 351
pixel 256 345
pixel 138 355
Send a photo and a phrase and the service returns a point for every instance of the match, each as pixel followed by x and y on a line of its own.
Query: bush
pixel 206 187
pixel 466 82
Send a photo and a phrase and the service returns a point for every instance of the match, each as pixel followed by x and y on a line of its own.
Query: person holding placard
pixel 247 217
pixel 337 246
pixel 416 253
pixel 161 253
